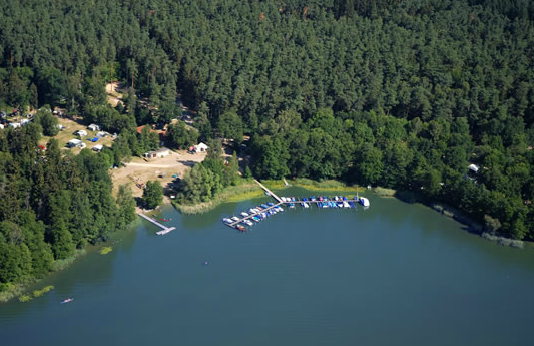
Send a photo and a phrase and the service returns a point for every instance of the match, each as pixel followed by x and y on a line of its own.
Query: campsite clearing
pixel 67 133
pixel 140 170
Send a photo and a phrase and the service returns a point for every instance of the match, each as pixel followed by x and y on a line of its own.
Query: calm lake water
pixel 395 274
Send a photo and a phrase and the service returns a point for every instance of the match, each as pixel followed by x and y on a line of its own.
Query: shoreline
pixel 230 195
pixel 245 189
pixel 22 288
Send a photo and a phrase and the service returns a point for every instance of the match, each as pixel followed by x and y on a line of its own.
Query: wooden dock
pixel 164 230
pixel 269 191
pixel 233 224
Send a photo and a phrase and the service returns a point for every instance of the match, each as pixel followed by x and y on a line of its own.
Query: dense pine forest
pixel 403 94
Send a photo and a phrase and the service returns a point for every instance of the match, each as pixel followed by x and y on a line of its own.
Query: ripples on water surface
pixel 395 274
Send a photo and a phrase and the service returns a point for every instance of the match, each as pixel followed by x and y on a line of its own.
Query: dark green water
pixel 395 274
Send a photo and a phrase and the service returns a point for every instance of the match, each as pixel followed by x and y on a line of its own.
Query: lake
pixel 395 274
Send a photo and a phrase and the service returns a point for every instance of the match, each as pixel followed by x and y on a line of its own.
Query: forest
pixel 404 94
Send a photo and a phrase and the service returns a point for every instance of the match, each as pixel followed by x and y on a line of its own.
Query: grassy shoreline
pixel 248 189
pixel 18 289
pixel 245 189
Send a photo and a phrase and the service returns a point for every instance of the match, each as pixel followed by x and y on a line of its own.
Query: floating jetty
pixel 259 213
pixel 164 230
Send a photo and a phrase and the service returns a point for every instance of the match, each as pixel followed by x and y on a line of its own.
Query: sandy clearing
pixel 141 170
pixel 113 92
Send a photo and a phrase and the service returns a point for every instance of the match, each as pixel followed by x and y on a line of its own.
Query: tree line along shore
pixel 431 97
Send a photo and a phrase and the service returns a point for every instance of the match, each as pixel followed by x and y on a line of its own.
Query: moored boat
pixel 364 201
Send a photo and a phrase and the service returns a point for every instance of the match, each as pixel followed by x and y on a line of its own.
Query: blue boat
pixel 264 206
pixel 352 205
pixel 270 204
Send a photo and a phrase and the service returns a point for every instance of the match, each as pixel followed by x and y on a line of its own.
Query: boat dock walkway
pixel 269 191
pixel 164 230
pixel 233 224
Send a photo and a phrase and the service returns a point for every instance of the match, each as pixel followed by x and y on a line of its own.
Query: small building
pixel 201 147
pixel 94 127
pixel 81 133
pixel 161 152
pixel 14 125
pixel 98 147
pixel 102 134
pixel 473 168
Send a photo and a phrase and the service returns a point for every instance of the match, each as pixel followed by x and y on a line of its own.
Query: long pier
pixel 233 224
pixel 164 230
pixel 280 202
pixel 269 191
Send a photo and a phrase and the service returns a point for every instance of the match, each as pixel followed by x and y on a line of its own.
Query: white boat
pixel 227 220
pixel 346 204
pixel 234 218
pixel 253 211
pixel 364 201
pixel 244 214
pixel 248 222
pixel 306 205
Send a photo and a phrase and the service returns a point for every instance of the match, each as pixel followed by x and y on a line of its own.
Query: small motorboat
pixel 164 220
pixel 240 228
pixel 270 204
pixel 244 214
pixel 68 300
pixel 235 218
pixel 225 220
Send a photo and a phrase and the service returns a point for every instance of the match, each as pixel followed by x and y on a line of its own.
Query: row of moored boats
pixel 327 202
pixel 260 213
pixel 253 215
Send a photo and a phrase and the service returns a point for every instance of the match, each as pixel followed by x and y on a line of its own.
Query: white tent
pixel 201 147
pixel 473 167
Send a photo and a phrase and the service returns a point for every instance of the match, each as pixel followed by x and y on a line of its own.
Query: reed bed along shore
pixel 248 189
pixel 20 288
pixel 245 189
pixel 323 186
